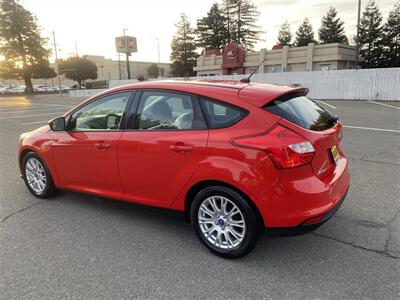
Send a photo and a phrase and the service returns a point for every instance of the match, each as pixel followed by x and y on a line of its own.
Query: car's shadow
pixel 172 225
pixel 134 239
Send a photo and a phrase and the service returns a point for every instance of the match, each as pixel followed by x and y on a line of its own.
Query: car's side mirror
pixel 57 124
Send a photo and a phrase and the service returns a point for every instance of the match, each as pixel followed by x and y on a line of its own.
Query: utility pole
pixel 158 51
pixel 358 34
pixel 128 70
pixel 76 49
pixel 119 66
pixel 58 70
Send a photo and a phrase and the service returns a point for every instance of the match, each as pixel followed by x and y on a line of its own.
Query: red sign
pixel 233 58
pixel 126 44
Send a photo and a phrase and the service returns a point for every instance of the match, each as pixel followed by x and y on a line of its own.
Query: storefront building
pixel 234 59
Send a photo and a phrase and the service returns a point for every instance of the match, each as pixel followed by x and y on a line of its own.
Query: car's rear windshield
pixel 302 111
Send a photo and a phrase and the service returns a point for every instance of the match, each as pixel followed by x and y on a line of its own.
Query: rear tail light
pixel 286 148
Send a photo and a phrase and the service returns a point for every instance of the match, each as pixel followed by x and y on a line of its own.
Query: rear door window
pixel 221 115
pixel 302 111
pixel 159 110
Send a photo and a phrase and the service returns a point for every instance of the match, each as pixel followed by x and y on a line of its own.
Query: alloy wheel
pixel 221 222
pixel 35 175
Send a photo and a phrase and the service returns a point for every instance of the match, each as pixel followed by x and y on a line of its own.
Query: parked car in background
pixel 53 89
pixel 4 89
pixel 7 89
pixel 235 158
pixel 40 88
pixel 64 88
pixel 20 89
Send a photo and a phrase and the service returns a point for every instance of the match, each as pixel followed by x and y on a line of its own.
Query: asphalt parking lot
pixel 78 246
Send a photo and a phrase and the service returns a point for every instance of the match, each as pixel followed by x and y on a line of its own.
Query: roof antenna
pixel 247 79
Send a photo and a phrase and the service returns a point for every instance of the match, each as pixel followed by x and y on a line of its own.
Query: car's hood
pixel 42 129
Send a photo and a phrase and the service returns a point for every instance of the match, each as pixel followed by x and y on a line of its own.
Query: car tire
pixel 37 176
pixel 224 221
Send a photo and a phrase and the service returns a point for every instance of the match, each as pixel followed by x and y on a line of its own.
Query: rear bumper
pixel 306 228
pixel 298 195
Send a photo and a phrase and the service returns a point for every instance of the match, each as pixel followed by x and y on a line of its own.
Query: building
pixel 109 69
pixel 236 60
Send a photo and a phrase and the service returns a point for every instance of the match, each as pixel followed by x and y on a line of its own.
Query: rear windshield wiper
pixel 333 120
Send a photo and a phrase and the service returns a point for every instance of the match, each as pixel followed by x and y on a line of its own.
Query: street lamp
pixel 58 70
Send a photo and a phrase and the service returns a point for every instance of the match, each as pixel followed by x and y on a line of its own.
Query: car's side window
pixel 160 110
pixel 221 115
pixel 102 114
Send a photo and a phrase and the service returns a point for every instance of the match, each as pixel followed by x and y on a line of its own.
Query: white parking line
pixel 383 104
pixel 373 129
pixel 28 116
pixel 16 107
pixel 322 102
pixel 50 104
pixel 29 110
pixel 37 122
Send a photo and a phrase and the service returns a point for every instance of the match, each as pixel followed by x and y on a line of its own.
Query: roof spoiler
pixel 298 92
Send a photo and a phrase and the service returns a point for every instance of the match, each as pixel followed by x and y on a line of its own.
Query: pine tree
pixel 22 45
pixel 241 21
pixel 332 29
pixel 211 30
pixel 371 33
pixel 391 38
pixel 183 55
pixel 227 15
pixel 304 34
pixel 285 35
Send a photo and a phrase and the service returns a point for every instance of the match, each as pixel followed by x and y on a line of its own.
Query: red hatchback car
pixel 236 158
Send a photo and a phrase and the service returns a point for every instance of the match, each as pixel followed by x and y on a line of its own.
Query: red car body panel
pixel 151 172
pixel 84 167
pixel 150 167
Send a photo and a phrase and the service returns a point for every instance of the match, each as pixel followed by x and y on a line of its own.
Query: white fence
pixel 115 83
pixel 84 93
pixel 368 84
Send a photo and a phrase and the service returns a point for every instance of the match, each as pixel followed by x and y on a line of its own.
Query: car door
pixel 162 150
pixel 85 154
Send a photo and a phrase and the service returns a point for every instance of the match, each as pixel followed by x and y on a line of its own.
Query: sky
pixel 92 25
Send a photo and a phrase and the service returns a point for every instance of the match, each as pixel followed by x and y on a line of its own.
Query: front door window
pixel 102 114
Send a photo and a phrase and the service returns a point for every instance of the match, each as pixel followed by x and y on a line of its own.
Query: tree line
pixel 24 53
pixel 230 21
pixel 236 21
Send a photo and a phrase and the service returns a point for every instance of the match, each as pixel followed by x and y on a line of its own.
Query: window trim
pixel 122 124
pixel 197 112
pixel 202 99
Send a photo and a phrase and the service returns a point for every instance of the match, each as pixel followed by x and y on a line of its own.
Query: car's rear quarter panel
pixel 248 170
